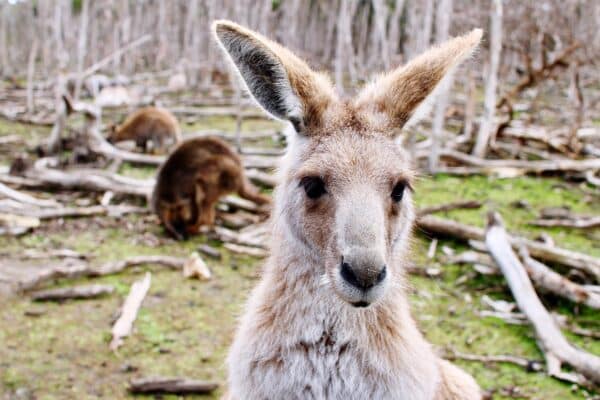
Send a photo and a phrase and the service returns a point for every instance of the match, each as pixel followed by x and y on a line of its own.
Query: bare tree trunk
pixel 487 122
pixel 379 36
pixel 425 33
pixel 469 110
pixel 344 55
pixel 81 45
pixel 4 62
pixel 30 75
pixel 443 18
pixel 394 35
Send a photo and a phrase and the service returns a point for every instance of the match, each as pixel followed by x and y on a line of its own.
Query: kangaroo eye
pixel 313 186
pixel 398 191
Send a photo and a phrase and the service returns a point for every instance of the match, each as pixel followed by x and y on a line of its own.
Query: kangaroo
pixel 195 176
pixel 330 317
pixel 148 124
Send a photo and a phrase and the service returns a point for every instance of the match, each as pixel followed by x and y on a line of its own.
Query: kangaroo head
pixel 345 193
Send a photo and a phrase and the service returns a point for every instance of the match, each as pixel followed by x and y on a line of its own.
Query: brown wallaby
pixel 330 317
pixel 148 124
pixel 191 181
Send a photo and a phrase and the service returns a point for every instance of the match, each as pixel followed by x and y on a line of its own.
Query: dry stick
pixel 171 385
pixel 529 365
pixel 122 328
pixel 445 227
pixel 25 198
pixel 114 267
pixel 74 292
pixel 117 210
pixel 84 270
pixel 580 223
pixel 544 277
pixel 246 250
pixel 525 166
pixel 94 180
pixel 553 344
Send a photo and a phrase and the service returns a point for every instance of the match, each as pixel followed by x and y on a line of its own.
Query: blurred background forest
pixel 517 131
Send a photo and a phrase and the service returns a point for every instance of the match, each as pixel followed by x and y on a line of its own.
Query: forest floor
pixel 60 350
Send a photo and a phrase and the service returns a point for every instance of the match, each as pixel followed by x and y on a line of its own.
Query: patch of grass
pixel 185 326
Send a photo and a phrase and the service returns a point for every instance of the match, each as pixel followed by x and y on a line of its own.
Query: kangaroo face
pixel 346 187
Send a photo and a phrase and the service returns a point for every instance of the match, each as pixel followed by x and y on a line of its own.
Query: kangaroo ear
pixel 400 95
pixel 281 83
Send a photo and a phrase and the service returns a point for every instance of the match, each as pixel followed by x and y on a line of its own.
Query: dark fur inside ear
pixel 262 71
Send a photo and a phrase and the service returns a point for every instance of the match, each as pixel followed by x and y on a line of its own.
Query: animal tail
pixel 250 192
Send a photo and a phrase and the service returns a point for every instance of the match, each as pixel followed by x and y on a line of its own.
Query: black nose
pixel 363 278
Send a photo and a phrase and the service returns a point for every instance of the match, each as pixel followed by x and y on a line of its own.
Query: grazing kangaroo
pixel 330 317
pixel 148 124
pixel 195 176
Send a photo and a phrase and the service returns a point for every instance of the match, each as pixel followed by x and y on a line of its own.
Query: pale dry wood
pixel 529 365
pixel 553 254
pixel 210 251
pixel 487 123
pixel 25 198
pixel 522 165
pixel 246 250
pixel 195 267
pixel 113 267
pixel 545 278
pixel 78 212
pixel 553 344
pixel 123 326
pixel 575 222
pixel 171 385
pixel 73 292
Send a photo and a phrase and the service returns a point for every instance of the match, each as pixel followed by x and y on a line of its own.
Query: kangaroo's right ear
pixel 281 83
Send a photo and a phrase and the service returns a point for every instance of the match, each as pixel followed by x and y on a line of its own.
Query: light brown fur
pixel 330 317
pixel 148 124
pixel 195 176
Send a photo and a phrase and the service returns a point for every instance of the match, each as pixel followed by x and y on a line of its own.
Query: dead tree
pixel 443 18
pixel 487 122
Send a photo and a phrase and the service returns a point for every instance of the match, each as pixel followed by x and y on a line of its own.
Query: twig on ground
pixel 74 292
pixel 171 385
pixel 122 328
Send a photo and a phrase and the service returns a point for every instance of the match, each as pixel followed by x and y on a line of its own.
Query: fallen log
pixel 72 212
pixel 171 385
pixel 523 165
pixel 246 250
pixel 528 365
pixel 541 251
pixel 74 292
pixel 93 180
pixel 122 328
pixel 551 281
pixel 578 223
pixel 80 269
pixel 113 267
pixel 25 198
pixel 553 344
pixel 210 251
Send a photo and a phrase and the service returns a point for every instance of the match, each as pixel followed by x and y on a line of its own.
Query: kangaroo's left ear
pixel 281 83
pixel 397 95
